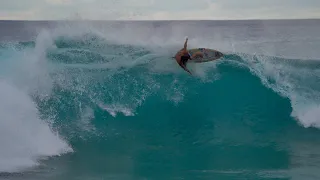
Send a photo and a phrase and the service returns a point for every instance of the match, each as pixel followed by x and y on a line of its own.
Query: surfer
pixel 183 56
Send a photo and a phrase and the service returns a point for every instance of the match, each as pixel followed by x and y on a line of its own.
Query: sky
pixel 158 9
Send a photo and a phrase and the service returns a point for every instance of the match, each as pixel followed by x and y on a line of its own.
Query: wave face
pixel 109 101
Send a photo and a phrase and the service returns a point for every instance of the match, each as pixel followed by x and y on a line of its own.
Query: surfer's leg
pixel 183 63
pixel 184 60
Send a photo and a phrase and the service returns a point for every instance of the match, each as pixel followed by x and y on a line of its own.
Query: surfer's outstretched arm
pixel 186 44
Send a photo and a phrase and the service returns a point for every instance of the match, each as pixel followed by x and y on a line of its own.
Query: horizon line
pixel 262 19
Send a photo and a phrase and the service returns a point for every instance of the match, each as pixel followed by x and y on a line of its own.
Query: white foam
pixel 23 136
pixel 308 115
pixel 114 109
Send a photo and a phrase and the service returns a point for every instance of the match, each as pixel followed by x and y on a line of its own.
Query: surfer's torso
pixel 182 56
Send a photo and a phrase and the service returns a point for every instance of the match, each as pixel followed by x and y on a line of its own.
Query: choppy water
pixel 105 100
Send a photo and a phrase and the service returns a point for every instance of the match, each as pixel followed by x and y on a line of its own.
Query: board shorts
pixel 185 58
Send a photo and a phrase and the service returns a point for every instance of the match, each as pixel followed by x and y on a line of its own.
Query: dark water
pixel 105 100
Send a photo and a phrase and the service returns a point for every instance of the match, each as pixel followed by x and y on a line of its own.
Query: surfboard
pixel 208 55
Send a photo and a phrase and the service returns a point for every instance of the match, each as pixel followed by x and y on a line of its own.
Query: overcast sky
pixel 158 9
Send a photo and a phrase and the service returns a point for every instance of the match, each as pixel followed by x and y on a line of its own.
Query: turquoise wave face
pixel 140 120
pixel 131 112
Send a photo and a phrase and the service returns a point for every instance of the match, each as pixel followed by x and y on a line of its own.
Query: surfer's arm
pixel 186 44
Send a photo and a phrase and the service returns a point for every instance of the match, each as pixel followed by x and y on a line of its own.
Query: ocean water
pixel 105 100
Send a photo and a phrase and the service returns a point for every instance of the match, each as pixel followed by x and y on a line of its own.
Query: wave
pixel 294 79
pixel 60 81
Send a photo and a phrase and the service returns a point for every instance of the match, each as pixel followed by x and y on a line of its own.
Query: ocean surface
pixel 93 100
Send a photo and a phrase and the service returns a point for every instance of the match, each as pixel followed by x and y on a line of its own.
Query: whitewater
pixel 95 99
